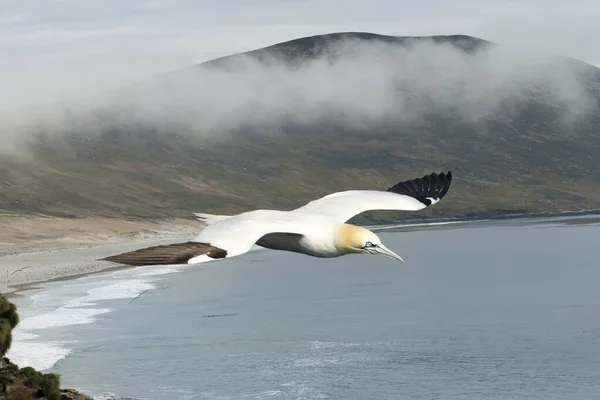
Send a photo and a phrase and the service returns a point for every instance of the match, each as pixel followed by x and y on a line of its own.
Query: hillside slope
pixel 279 126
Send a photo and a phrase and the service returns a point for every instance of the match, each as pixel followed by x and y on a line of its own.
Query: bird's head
pixel 356 239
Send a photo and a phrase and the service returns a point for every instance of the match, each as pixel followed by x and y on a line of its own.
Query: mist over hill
pixel 279 126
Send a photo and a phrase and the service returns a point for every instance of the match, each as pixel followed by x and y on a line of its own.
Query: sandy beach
pixel 37 249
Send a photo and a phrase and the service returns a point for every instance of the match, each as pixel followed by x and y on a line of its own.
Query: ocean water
pixel 483 310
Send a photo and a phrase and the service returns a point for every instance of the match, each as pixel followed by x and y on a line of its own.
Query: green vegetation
pixel 8 321
pixel 48 385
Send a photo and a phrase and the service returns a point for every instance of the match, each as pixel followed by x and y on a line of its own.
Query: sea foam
pixel 80 301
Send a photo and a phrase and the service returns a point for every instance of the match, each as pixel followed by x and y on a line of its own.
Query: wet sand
pixel 37 249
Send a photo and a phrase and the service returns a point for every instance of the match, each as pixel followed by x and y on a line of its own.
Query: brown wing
pixel 177 253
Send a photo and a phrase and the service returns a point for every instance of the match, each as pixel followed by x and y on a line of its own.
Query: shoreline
pixel 70 248
pixel 73 263
pixel 493 216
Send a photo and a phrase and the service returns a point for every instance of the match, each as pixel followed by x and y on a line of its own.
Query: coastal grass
pixel 48 385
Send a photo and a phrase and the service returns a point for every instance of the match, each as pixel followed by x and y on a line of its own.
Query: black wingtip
pixel 430 187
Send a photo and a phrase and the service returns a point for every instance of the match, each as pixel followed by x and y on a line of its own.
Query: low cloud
pixel 358 82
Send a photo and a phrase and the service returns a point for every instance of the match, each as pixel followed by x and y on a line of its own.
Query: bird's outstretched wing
pixel 411 195
pixel 221 239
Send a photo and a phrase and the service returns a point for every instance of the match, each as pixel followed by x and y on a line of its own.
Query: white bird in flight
pixel 318 229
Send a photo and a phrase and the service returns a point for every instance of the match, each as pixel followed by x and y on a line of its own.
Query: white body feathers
pixel 311 233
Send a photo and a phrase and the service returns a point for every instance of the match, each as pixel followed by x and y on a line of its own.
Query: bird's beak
pixel 381 249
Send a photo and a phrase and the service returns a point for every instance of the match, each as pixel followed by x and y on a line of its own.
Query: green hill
pixel 279 126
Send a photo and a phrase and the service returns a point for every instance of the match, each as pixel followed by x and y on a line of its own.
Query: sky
pixel 71 48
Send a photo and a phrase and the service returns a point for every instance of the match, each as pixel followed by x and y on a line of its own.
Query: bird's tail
pixel 210 218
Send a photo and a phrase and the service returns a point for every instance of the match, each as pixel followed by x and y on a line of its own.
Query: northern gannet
pixel 318 229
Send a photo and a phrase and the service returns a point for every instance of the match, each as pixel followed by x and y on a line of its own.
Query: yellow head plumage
pixel 355 239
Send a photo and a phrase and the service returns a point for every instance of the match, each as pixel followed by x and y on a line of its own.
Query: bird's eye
pixel 368 244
